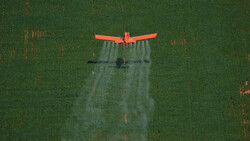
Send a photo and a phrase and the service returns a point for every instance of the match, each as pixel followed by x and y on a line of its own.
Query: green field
pixel 197 78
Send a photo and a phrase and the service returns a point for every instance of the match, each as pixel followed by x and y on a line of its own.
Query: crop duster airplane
pixel 126 38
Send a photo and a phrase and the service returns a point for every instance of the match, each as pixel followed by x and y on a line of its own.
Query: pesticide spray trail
pixel 87 117
pixel 114 103
pixel 136 105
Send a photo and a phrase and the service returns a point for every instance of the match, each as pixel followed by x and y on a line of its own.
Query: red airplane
pixel 126 38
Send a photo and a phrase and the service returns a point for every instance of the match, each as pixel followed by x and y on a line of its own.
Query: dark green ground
pixel 196 94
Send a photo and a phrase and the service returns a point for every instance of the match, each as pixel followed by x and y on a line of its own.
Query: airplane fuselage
pixel 126 39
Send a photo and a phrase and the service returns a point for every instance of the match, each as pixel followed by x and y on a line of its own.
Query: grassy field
pixel 199 68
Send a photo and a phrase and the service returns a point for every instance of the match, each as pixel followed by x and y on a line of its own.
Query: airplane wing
pixel 110 38
pixel 143 37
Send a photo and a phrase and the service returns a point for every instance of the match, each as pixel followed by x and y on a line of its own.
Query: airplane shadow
pixel 119 62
